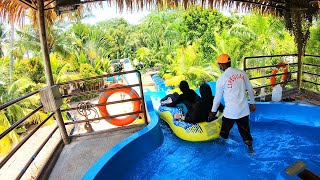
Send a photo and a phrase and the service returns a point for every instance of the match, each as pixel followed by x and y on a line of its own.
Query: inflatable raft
pixel 203 131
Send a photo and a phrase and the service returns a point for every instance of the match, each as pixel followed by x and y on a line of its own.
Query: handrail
pixel 12 127
pixel 97 77
pixel 311 82
pixel 310 55
pixel 311 73
pixel 14 150
pixel 33 157
pixel 278 55
pixel 19 99
pixel 270 56
pixel 116 102
pixel 260 67
pixel 99 90
pixel 109 89
pixel 107 103
pixel 259 77
pixel 258 87
pixel 103 117
pixel 315 65
pixel 270 66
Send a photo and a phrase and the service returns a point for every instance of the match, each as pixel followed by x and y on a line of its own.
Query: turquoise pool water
pixel 277 144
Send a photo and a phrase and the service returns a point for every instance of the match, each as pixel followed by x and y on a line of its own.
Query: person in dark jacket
pixel 188 97
pixel 201 109
pixel 186 100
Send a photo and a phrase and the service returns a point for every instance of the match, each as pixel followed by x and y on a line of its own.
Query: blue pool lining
pixel 114 163
pixel 299 114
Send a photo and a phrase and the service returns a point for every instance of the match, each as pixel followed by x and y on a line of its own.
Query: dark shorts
pixel 243 127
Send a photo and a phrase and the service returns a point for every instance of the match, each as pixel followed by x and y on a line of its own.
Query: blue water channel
pixel 278 142
pixel 283 133
pixel 277 145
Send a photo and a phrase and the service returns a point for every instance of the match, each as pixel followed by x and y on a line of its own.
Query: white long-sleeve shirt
pixel 232 84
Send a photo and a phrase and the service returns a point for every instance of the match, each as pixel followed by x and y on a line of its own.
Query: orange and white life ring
pixel 279 65
pixel 118 121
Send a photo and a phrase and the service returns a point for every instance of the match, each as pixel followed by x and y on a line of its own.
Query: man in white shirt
pixel 232 85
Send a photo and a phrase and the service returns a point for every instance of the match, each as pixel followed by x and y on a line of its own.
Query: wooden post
pixel 47 66
pixel 43 43
pixel 299 76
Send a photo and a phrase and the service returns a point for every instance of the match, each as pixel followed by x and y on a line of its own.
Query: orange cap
pixel 223 58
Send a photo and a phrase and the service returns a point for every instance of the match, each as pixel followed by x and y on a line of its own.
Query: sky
pixel 105 13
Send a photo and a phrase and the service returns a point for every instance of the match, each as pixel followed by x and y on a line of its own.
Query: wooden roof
pixel 15 9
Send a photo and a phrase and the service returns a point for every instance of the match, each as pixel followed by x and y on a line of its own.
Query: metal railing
pixel 310 70
pixel 102 84
pixel 20 122
pixel 86 88
pixel 260 74
pixel 259 70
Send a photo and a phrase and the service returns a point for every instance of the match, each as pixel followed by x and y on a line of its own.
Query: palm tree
pixel 13 112
pixel 143 55
pixel 233 41
pixel 2 38
pixel 61 69
pixel 161 34
pixel 187 65
pixel 4 73
pixel 19 110
pixel 28 42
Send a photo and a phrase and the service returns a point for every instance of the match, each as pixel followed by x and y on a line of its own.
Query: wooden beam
pixel 43 43
pixel 25 4
pixel 47 66
pixel 264 3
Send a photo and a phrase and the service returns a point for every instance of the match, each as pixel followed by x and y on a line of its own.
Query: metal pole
pixel 47 66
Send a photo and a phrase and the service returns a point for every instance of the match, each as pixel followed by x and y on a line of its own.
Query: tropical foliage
pixel 180 44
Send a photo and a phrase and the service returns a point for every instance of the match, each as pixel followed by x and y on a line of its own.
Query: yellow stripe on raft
pixel 203 131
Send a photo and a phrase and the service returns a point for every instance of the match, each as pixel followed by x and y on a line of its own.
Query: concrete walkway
pixel 17 162
pixel 147 81
pixel 77 158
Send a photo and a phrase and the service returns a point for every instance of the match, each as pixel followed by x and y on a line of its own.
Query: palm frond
pixel 14 113
pixel 20 87
pixel 36 118
pixel 5 124
pixel 175 80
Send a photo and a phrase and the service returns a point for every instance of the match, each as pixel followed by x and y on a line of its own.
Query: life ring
pixel 118 121
pixel 274 72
